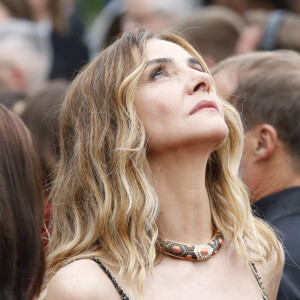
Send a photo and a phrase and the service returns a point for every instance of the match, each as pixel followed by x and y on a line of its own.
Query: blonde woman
pixel 147 203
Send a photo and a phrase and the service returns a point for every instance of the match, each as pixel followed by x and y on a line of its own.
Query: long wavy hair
pixel 104 204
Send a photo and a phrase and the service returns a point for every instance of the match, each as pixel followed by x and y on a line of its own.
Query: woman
pixel 150 155
pixel 21 211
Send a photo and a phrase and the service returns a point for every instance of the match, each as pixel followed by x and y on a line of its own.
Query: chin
pixel 219 139
pixel 218 135
pixel 210 138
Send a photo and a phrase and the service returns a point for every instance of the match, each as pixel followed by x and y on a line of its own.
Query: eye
pixel 158 72
pixel 198 68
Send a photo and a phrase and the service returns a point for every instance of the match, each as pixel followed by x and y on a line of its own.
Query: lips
pixel 202 105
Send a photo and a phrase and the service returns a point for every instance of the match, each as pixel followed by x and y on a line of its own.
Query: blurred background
pixel 44 44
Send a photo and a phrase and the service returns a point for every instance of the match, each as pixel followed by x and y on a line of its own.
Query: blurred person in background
pixel 152 15
pixel 270 30
pixel 213 31
pixel 10 98
pixel 41 115
pixel 105 27
pixel 239 6
pixel 265 88
pixel 69 51
pixel 21 211
pixel 271 24
pixel 25 56
pixel 19 9
pixel 243 6
pixel 269 5
pixel 73 12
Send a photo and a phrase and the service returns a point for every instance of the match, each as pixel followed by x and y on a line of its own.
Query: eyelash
pixel 199 69
pixel 158 70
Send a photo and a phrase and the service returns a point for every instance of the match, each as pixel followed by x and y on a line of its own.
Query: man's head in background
pixel 19 9
pixel 239 6
pixel 24 56
pixel 265 89
pixel 213 31
pixel 269 30
pixel 154 15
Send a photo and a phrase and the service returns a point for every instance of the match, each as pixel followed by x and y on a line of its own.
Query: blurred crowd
pixel 45 43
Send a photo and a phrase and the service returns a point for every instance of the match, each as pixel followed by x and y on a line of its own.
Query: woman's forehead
pixel 157 48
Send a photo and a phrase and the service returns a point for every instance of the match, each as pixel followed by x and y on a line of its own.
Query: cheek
pixel 219 102
pixel 158 114
pixel 150 109
pixel 153 107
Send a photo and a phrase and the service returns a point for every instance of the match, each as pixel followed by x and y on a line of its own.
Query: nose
pixel 199 81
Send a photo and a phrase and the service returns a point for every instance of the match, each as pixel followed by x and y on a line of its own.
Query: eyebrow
pixel 167 60
pixel 160 61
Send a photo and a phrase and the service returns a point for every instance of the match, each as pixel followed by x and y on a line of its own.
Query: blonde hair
pixel 103 202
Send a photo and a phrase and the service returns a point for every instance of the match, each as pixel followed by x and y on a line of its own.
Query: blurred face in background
pixel 4 13
pixel 145 14
pixel 239 6
pixel 12 76
pixel 38 5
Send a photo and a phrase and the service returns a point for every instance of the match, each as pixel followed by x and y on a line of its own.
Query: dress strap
pixel 258 279
pixel 113 280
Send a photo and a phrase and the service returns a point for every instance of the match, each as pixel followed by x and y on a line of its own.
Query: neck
pixel 179 181
pixel 276 175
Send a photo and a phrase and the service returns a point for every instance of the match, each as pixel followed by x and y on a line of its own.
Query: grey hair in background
pixel 23 45
pixel 178 7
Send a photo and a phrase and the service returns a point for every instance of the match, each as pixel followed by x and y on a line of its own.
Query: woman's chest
pixel 213 281
pixel 199 289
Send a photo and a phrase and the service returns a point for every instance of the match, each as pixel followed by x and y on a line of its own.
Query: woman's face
pixel 175 103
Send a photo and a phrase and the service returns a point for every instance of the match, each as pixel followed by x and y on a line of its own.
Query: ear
pixel 266 140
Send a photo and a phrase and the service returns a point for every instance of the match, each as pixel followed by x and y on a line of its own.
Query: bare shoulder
pixel 271 273
pixel 81 280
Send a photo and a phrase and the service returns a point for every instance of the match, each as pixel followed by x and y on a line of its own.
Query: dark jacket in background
pixel 282 210
pixel 69 56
